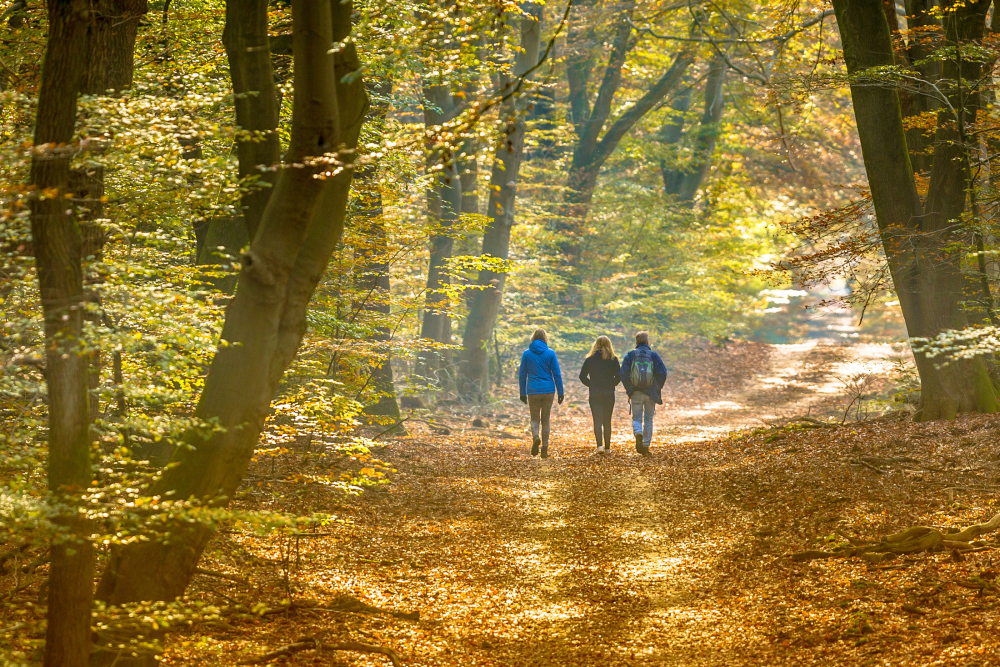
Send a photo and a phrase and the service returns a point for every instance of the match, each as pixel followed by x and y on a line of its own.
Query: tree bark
pixel 58 246
pixel 258 150
pixel 671 133
pixel 109 66
pixel 264 324
pixel 923 38
pixel 444 204
pixel 110 62
pixel 918 240
pixel 707 133
pixel 372 276
pixel 484 304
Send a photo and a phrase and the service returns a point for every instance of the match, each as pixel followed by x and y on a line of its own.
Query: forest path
pixel 809 378
pixel 603 560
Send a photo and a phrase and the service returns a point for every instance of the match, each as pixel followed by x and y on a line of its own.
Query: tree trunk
pixel 247 47
pixel 925 270
pixel 264 324
pixel 923 38
pixel 444 206
pixel 58 246
pixel 110 62
pixel 707 133
pixel 671 133
pixel 372 277
pixel 484 305
pixel 108 69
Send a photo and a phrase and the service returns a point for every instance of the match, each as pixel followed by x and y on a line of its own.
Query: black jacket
pixel 600 374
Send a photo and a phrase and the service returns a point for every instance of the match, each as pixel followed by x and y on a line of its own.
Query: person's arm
pixel 659 370
pixel 623 375
pixel 522 378
pixel 557 376
pixel 585 372
pixel 618 372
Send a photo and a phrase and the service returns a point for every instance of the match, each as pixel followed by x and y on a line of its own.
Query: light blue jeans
pixel 643 408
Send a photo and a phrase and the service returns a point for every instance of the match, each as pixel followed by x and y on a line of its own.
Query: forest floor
pixel 682 558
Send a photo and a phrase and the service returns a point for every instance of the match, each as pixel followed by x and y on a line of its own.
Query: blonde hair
pixel 604 346
pixel 540 335
pixel 641 338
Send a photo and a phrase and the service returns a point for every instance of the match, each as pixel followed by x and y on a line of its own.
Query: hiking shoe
pixel 545 452
pixel 599 450
pixel 638 442
pixel 534 446
pixel 645 451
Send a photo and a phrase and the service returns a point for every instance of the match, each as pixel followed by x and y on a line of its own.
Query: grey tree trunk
pixel 264 324
pixel 372 276
pixel 922 242
pixel 444 205
pixel 707 133
pixel 484 304
pixel 671 133
pixel 248 50
pixel 58 245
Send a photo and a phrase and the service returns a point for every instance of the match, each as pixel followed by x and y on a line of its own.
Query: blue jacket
pixel 659 375
pixel 539 373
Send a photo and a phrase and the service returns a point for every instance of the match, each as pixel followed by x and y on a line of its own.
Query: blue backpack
pixel 641 373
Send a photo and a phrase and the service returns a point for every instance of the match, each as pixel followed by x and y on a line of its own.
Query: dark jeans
pixel 602 407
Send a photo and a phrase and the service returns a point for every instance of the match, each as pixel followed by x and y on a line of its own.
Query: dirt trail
pixel 584 559
pixel 803 379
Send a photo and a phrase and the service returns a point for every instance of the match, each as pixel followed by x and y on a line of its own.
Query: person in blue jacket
pixel 540 381
pixel 643 375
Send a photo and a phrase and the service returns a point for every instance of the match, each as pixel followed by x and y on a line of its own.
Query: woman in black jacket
pixel 600 372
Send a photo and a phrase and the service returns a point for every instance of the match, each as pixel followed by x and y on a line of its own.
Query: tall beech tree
pixel 58 247
pixel 444 205
pixel 689 178
pixel 925 240
pixel 302 223
pixel 484 304
pixel 108 70
pixel 248 50
pixel 255 98
pixel 372 261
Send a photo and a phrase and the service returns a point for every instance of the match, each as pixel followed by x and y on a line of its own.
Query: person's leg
pixel 609 411
pixel 597 412
pixel 637 404
pixel 546 411
pixel 647 426
pixel 535 410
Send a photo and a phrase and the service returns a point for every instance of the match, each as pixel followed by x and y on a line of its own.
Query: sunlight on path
pixel 804 379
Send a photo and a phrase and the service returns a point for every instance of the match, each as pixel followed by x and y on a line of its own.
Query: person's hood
pixel 538 346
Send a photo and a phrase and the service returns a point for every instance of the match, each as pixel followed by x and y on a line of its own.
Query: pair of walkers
pixel 642 373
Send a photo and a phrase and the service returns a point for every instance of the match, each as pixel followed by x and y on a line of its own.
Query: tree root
pixel 913 540
pixel 348 603
pixel 308 643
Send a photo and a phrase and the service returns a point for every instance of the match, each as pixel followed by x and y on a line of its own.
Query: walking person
pixel 601 372
pixel 643 375
pixel 540 381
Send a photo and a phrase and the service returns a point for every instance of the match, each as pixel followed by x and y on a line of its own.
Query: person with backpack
pixel 643 375
pixel 540 379
pixel 601 373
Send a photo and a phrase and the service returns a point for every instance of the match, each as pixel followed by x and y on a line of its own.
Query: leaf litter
pixel 474 553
